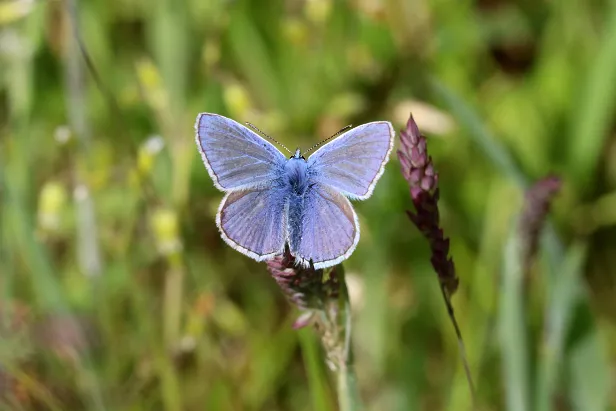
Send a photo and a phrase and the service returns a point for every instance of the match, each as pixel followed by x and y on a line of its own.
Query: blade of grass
pixel 38 390
pixel 170 39
pixel 21 227
pixel 18 212
pixel 348 391
pixel 564 294
pixel 46 288
pixel 493 150
pixel 272 356
pixel 170 383
pixel 512 327
pixel 253 57
pixel 88 253
pixel 593 115
pixel 6 258
pixel 590 374
pixel 317 379
pixel 498 155
pixel 325 293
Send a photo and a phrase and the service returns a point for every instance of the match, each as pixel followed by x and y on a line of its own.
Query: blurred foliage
pixel 107 214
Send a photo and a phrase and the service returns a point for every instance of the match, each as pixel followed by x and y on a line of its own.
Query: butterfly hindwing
pixel 323 226
pixel 254 221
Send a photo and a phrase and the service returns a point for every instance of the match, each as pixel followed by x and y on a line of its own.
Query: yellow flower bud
pixel 237 100
pixel 229 317
pixel 147 154
pixel 164 225
pixel 346 105
pixel 52 200
pixel 362 61
pixel 11 11
pixel 211 53
pixel 152 84
pixel 295 31
pixel 318 11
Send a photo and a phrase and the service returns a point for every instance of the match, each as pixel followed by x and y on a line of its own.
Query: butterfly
pixel 272 201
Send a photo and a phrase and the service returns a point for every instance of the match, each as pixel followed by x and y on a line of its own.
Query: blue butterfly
pixel 272 201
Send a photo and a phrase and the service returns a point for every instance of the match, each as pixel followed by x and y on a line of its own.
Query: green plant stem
pixel 348 394
pixel 173 302
pixel 317 381
pixel 558 316
pixel 593 115
pixel 461 346
pixel 502 160
pixel 88 250
pixel 513 333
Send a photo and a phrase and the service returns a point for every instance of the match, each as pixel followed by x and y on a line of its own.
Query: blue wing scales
pixel 354 162
pixel 236 157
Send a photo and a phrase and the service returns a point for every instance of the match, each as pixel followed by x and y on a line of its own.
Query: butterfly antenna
pixel 255 128
pixel 342 130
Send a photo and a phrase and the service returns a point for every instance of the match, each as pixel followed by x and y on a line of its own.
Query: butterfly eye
pixel 301 157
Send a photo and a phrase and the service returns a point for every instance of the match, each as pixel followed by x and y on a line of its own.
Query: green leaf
pixel 512 327
pixel 594 114
pixel 564 292
pixel 590 374
pixel 317 378
pixel 469 120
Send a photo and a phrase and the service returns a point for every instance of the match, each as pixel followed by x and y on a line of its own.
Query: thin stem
pixel 173 292
pixel 348 393
pixel 422 177
pixel 88 251
pixel 461 347
pixel 324 294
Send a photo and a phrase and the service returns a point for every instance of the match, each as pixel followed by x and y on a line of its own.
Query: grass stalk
pixel 88 252
pixel 512 322
pixel 347 389
pixel 461 346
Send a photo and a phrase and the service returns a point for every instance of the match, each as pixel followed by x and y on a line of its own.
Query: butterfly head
pixel 298 155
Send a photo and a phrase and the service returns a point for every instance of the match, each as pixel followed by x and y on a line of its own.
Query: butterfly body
pixel 296 175
pixel 272 201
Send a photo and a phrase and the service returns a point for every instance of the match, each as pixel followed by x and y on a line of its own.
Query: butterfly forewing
pixel 235 156
pixel 354 162
pixel 254 221
pixel 323 227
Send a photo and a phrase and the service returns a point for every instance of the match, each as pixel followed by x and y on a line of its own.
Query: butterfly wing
pixel 354 162
pixel 323 227
pixel 235 156
pixel 254 221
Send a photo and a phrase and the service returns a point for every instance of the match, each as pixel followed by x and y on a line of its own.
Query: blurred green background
pixel 117 292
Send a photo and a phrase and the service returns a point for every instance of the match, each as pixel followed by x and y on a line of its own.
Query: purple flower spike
pixel 318 295
pixel 537 203
pixel 303 287
pixel 418 171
